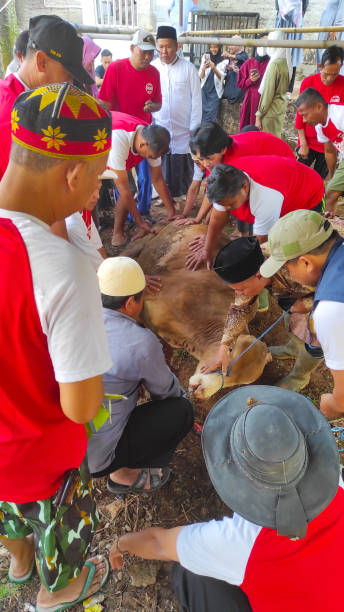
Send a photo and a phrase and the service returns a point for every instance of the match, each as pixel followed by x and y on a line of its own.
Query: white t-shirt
pixel 265 205
pixel 333 129
pixel 68 301
pixel 77 234
pixel 198 173
pixel 219 549
pixel 121 147
pixel 329 327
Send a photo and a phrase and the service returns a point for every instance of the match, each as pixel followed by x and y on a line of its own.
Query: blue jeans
pixel 144 185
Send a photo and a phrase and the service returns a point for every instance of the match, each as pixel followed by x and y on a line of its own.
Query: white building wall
pixel 267 10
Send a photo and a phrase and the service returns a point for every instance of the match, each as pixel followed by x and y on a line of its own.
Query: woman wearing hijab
pixel 249 79
pixel 236 56
pixel 212 73
pixel 273 88
pixel 290 14
pixel 90 52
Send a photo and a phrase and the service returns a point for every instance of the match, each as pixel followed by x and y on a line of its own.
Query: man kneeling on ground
pixel 135 447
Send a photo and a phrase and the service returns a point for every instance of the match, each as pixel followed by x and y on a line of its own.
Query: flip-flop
pixel 82 596
pixel 156 482
pixel 117 248
pixel 25 577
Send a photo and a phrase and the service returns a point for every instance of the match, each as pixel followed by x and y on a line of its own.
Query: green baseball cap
pixel 295 234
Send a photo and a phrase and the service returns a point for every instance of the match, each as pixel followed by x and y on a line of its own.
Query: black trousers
pixel 203 594
pixel 320 165
pixel 152 434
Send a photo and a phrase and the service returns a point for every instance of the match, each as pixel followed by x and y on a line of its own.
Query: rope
pixel 228 373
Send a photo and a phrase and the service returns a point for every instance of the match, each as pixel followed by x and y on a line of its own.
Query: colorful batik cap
pixel 60 120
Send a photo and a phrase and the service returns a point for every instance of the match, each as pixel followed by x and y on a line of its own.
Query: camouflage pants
pixel 62 535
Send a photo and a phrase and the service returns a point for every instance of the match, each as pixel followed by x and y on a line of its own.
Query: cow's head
pixel 246 371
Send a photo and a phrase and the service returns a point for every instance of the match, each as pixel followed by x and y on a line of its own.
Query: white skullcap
pixel 120 276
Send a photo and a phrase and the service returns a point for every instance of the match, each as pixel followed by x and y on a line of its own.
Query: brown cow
pixel 191 308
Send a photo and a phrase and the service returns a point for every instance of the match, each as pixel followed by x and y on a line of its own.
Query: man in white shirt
pixel 181 109
pixel 328 120
pixel 273 460
pixel 313 253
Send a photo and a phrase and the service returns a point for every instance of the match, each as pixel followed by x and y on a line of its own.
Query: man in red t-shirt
pixel 328 120
pixel 258 190
pixel 132 86
pixel 210 145
pixel 54 55
pixel 53 329
pixel 273 460
pixel 132 141
pixel 330 83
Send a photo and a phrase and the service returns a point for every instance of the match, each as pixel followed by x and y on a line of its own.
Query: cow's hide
pixel 190 310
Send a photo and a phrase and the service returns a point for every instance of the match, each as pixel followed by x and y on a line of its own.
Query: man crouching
pixel 135 447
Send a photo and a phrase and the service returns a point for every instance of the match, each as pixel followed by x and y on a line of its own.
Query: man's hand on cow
pixel 171 217
pixel 153 284
pixel 196 259
pixel 222 360
pixel 143 231
pixel 197 243
pixel 180 220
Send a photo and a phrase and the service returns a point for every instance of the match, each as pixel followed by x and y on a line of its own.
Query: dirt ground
pixel 188 497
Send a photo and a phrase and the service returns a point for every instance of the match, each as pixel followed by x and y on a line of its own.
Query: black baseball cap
pixel 59 39
pixel 239 259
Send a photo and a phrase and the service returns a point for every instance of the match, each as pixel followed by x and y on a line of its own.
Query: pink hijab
pixel 89 54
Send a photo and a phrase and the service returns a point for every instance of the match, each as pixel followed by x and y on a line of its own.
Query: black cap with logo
pixel 59 39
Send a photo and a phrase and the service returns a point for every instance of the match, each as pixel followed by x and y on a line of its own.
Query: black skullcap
pixel 166 32
pixel 238 260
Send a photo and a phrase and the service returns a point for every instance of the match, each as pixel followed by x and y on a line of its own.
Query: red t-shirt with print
pixel 10 88
pixel 332 94
pixel 127 89
pixel 38 443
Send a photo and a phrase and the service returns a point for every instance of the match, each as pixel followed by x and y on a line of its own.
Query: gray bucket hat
pixel 271 457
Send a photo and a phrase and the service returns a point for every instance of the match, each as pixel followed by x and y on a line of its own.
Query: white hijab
pixel 275 53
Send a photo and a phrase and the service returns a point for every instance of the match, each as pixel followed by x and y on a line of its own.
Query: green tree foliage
pixel 8 35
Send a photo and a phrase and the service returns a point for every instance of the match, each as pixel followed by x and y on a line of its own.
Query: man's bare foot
pixel 20 566
pixel 70 593
pixel 119 240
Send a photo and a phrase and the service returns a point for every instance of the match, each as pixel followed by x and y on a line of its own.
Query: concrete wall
pixel 71 10
pixel 267 10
